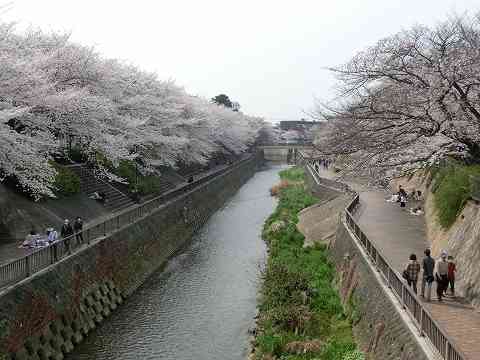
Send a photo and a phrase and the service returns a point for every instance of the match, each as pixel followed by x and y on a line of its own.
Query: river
pixel 201 305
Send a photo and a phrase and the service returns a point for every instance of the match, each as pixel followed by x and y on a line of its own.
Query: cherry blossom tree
pixel 54 89
pixel 408 101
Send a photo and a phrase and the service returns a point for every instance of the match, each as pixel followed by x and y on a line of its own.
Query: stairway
pixel 116 200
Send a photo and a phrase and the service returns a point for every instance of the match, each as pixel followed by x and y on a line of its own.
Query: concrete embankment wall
pixel 323 193
pixel 44 316
pixel 381 326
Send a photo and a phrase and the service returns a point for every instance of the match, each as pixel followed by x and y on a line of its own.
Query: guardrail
pixel 19 269
pixel 329 183
pixel 421 317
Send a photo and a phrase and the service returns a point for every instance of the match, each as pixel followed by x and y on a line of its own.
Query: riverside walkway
pixel 397 234
pixel 30 262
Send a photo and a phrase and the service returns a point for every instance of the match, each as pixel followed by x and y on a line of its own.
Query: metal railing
pixel 329 183
pixel 421 317
pixel 24 267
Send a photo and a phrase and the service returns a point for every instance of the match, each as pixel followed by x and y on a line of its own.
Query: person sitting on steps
pixel 99 196
pixel 416 211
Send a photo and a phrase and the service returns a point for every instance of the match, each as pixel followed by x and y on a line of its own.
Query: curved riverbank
pixel 301 314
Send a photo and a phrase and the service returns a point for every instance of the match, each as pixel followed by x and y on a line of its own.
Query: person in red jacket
pixel 452 268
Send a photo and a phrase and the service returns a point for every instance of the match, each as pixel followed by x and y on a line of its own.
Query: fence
pixel 19 269
pixel 421 317
pixel 332 184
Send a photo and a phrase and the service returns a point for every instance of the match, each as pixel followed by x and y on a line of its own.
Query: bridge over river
pixel 284 152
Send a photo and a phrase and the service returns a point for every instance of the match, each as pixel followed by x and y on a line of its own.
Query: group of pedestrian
pixel 401 197
pixel 322 163
pixel 36 240
pixel 325 163
pixel 442 271
pixel 77 229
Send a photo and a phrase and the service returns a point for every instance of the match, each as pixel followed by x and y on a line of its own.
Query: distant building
pixel 298 125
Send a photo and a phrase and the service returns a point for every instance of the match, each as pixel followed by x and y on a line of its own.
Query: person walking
pixel 428 265
pixel 412 269
pixel 67 229
pixel 52 235
pixel 403 201
pixel 452 269
pixel 78 227
pixel 66 232
pixel 441 274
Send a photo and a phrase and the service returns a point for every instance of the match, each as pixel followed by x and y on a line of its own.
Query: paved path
pixel 11 251
pixel 398 234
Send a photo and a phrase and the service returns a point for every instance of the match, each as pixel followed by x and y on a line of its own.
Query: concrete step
pixel 89 184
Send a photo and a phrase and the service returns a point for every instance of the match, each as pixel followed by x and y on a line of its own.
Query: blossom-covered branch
pixel 409 100
pixel 53 89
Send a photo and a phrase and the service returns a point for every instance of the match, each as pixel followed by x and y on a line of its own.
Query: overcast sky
pixel 267 55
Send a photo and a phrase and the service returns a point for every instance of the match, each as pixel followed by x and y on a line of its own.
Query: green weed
pixel 298 301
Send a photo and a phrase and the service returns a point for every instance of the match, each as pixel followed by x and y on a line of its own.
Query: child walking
pixel 452 268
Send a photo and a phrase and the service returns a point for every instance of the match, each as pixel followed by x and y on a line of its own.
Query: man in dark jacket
pixel 78 227
pixel 66 232
pixel 67 229
pixel 428 266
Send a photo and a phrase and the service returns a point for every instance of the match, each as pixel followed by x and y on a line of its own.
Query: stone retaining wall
pixel 43 317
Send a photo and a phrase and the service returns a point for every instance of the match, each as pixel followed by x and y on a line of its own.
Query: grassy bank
pixel 451 188
pixel 301 315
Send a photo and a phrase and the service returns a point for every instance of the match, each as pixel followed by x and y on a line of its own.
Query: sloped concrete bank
pixel 45 316
pixel 380 324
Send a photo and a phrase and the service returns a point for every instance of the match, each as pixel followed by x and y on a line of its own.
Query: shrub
pixel 150 184
pixel 338 350
pixel 354 355
pixel 67 182
pixel 293 174
pixel 143 184
pixel 271 344
pixel 76 154
pixel 102 160
pixel 126 169
pixel 452 190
